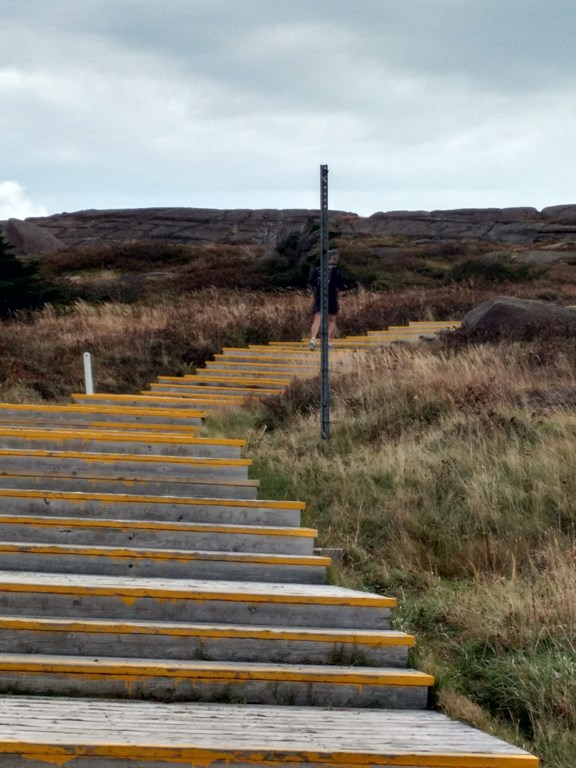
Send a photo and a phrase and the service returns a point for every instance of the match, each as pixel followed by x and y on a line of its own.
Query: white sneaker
pixel 312 344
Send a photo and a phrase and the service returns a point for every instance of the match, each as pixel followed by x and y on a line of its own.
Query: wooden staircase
pixel 155 612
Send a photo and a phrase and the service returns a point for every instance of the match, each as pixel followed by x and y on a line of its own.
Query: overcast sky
pixel 413 104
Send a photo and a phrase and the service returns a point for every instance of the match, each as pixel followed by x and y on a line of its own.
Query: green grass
pixel 450 487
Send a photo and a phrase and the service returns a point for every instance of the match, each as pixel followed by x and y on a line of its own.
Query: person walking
pixel 334 285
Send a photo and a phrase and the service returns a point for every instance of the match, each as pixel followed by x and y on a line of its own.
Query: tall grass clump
pixel 448 480
pixel 132 343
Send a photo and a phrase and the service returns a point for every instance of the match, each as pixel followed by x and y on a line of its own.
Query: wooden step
pixel 220 385
pixel 138 507
pixel 204 379
pixel 166 430
pixel 194 734
pixel 148 401
pixel 198 680
pixel 236 374
pixel 137 417
pixel 266 353
pixel 191 600
pixel 221 390
pixel 231 370
pixel 211 642
pixel 143 484
pixel 259 362
pixel 129 465
pixel 124 734
pixel 206 396
pixel 157 534
pixel 126 442
pixel 162 563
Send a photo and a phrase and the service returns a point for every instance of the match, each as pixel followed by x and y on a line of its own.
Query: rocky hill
pixel 522 226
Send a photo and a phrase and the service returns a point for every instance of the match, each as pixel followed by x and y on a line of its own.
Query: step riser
pixel 304 360
pixel 205 382
pixel 143 567
pixel 183 609
pixel 254 366
pixel 55 443
pixel 216 404
pixel 302 354
pixel 136 402
pixel 185 689
pixel 148 488
pixel 221 389
pixel 235 367
pixel 142 510
pixel 86 417
pixel 92 426
pixel 140 646
pixel 157 539
pixel 205 379
pixel 150 470
pixel 232 371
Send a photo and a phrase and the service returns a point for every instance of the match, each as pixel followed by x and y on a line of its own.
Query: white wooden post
pixel 88 373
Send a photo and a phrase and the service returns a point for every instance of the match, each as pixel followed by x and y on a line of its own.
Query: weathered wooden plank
pixel 206 733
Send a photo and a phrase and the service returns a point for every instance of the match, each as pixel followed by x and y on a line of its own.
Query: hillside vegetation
pixel 448 480
pixel 131 270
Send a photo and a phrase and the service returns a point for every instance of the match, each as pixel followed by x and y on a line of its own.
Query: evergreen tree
pixel 20 286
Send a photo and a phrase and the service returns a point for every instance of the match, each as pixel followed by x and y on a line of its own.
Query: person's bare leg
pixel 315 326
pixel 331 326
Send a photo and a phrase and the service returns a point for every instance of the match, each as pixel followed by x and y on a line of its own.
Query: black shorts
pixel 332 307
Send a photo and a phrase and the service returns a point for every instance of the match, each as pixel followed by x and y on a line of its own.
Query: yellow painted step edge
pixel 153 525
pixel 206 398
pixel 139 398
pixel 68 434
pixel 141 498
pixel 103 626
pixel 129 481
pixel 256 349
pixel 256 360
pixel 109 427
pixel 193 392
pixel 58 755
pixel 129 594
pixel 164 429
pixel 78 408
pixel 215 671
pixel 173 555
pixel 246 380
pixel 103 458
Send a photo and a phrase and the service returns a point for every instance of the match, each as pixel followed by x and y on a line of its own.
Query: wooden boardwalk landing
pixel 155 613
pixel 65 731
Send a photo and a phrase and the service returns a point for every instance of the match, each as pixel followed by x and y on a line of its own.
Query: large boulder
pixel 509 317
pixel 29 239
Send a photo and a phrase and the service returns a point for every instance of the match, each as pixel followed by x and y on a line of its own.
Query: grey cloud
pixel 238 101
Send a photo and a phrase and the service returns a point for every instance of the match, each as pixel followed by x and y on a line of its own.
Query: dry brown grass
pixel 449 481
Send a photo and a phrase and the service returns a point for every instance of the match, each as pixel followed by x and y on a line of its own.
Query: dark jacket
pixel 335 283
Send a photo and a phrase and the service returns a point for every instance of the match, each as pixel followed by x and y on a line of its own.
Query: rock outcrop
pixel 513 318
pixel 521 226
pixel 29 239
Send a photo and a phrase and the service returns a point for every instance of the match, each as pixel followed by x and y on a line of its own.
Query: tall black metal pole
pixel 324 282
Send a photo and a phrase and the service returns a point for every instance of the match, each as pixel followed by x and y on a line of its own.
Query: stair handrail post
pixel 88 380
